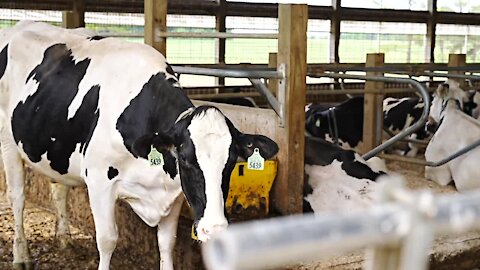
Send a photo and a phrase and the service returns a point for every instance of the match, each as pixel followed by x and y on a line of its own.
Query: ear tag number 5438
pixel 256 161
pixel 154 157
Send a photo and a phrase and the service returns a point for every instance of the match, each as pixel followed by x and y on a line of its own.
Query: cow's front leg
pixel 59 194
pixel 102 202
pixel 167 234
pixel 15 178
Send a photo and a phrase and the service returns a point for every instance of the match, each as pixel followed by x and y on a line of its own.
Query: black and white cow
pixel 337 179
pixel 88 110
pixel 343 123
pixel 454 131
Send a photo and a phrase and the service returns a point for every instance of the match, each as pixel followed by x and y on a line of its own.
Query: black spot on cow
pixel 151 115
pixel 96 38
pixel 323 153
pixel 41 123
pixel 170 164
pixel 86 172
pixel 3 60
pixel 112 172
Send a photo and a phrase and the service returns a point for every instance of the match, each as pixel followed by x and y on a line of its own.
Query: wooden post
pixel 220 18
pixel 273 83
pixel 431 27
pixel 373 105
pixel 156 22
pixel 457 60
pixel 76 17
pixel 335 32
pixel 292 54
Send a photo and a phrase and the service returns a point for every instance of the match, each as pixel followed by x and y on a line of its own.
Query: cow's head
pixel 445 92
pixel 207 146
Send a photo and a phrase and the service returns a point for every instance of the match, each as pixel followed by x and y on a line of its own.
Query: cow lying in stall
pixel 343 123
pixel 454 130
pixel 338 179
pixel 110 114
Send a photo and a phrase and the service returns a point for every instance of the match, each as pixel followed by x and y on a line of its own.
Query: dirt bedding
pixel 40 231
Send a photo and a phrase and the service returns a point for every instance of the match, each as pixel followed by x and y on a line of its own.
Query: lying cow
pixel 337 179
pixel 454 130
pixel 343 123
pixel 111 115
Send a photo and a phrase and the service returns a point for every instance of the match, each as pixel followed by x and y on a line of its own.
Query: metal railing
pixel 417 86
pixel 253 75
pixel 399 232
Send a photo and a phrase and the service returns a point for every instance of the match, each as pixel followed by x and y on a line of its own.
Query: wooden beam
pixel 431 29
pixel 457 60
pixel 335 31
pixel 76 17
pixel 292 53
pixel 155 22
pixel 373 106
pixel 220 19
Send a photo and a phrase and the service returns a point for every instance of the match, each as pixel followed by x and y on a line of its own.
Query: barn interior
pixel 283 56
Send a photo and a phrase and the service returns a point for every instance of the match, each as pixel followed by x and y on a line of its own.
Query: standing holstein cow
pixel 454 131
pixel 89 110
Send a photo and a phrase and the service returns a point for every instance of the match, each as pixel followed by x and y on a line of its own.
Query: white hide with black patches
pixel 334 190
pixel 456 131
pixel 212 139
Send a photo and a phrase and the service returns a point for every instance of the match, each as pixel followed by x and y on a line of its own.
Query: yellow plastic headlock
pixel 194 233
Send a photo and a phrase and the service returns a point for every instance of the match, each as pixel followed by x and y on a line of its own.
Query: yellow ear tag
pixel 256 161
pixel 154 157
pixel 194 233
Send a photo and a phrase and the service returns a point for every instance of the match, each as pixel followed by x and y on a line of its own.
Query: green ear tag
pixel 154 157
pixel 256 161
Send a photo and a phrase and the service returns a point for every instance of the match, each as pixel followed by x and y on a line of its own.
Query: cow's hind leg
pixel 102 202
pixel 167 233
pixel 59 193
pixel 15 175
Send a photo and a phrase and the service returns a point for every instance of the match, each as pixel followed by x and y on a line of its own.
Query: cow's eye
pixel 249 145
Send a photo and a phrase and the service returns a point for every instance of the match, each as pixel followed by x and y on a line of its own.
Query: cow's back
pixel 64 91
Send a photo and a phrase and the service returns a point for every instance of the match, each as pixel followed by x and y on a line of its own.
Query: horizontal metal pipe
pixel 122 35
pixel 216 35
pixel 443 75
pixel 278 242
pixel 281 241
pixel 232 73
pixel 309 92
pixel 271 99
pixel 458 153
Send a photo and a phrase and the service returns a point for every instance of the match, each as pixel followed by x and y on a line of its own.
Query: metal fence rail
pixel 406 224
pixel 417 87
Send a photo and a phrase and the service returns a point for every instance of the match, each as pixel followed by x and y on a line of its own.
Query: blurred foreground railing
pixel 400 228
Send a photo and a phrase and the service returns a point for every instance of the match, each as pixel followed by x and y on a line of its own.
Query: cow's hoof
pixel 23 266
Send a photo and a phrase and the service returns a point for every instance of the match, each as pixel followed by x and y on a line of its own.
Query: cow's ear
pixel 142 146
pixel 246 144
pixel 443 90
